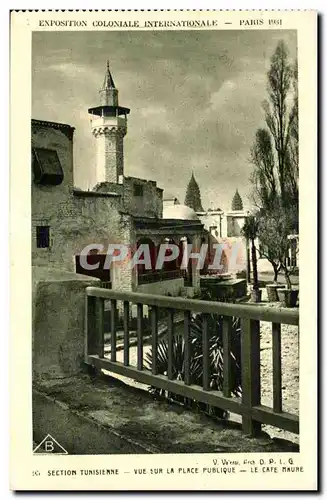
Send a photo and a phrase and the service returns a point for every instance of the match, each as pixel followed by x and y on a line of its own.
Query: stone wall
pixel 212 222
pixel 235 223
pixel 149 204
pixel 58 313
pixel 172 287
pixel 76 219
pixel 223 289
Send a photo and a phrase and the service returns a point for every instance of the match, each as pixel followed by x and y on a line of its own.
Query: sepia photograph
pixel 165 180
pixel 164 247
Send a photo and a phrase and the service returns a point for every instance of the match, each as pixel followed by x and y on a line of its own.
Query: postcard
pixel 163 175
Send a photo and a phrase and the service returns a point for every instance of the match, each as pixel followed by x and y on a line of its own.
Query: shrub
pixel 215 328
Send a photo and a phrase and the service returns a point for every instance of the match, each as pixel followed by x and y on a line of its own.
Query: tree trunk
pixel 248 262
pixel 287 279
pixel 276 271
pixel 254 265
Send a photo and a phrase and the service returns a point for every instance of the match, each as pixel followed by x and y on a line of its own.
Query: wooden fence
pixel 249 406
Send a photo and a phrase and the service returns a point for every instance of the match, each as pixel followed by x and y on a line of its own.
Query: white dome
pixel 179 212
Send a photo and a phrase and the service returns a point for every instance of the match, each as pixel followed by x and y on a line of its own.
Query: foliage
pixel 210 293
pixel 250 227
pixel 274 228
pixel 193 195
pixel 269 246
pixel 281 116
pixel 274 156
pixel 215 327
pixel 237 203
pixel 275 150
pixel 263 176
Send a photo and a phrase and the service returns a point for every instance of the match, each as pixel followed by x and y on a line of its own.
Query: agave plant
pixel 215 328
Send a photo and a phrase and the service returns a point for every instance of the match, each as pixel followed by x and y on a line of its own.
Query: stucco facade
pixel 142 197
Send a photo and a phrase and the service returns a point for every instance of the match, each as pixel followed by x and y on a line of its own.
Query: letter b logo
pixel 49 446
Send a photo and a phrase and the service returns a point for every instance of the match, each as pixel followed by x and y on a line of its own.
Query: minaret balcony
pixel 110 122
pixel 109 111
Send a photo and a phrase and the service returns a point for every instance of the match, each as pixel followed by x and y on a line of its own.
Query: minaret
pixel 109 126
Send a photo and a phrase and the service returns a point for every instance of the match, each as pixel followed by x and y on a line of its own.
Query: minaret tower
pixel 109 126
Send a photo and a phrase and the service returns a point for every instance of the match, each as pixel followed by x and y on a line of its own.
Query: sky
pixel 195 99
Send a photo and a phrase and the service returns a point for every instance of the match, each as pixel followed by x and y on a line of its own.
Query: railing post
pixel 94 326
pixel 94 330
pixel 205 353
pixel 227 347
pixel 126 333
pixel 139 337
pixel 90 345
pixel 277 367
pixel 250 338
pixel 113 329
pixel 154 341
pixel 99 323
pixel 187 348
pixel 170 333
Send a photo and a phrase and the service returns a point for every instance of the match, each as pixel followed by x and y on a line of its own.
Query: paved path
pixel 103 416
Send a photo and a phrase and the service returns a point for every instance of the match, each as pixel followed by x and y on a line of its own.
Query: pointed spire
pixel 108 91
pixel 108 80
pixel 237 203
pixel 193 195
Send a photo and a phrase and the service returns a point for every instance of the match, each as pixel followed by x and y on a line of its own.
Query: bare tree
pixel 280 113
pixel 273 232
pixel 270 246
pixel 292 157
pixel 263 177
pixel 275 158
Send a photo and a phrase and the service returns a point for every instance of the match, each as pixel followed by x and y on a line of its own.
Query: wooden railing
pixel 249 405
